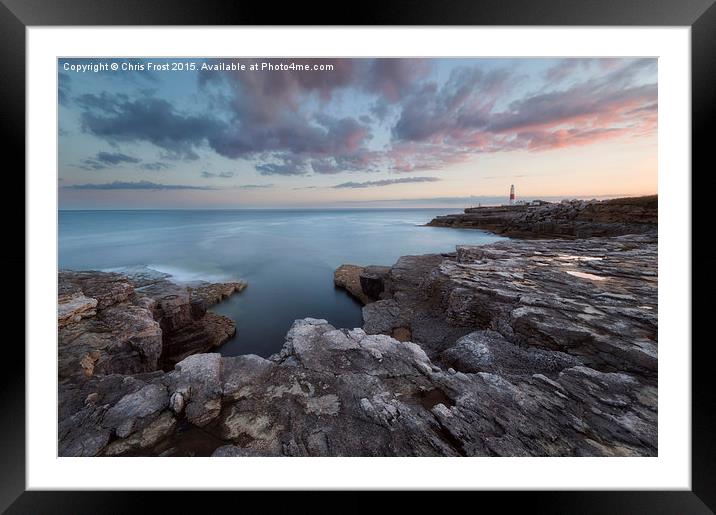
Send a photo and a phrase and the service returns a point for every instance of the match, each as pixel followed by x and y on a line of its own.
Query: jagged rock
pixel 568 219
pixel 594 299
pixel 489 351
pixel 136 321
pixel 519 348
pixel 107 288
pixel 73 305
pixel 232 451
pixel 197 379
pixel 136 410
pixel 120 338
pixel 337 392
pixel 201 335
pixel 348 277
pixel 372 280
pixel 142 275
pixel 213 293
pixel 160 428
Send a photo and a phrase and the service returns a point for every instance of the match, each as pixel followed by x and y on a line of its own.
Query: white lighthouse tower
pixel 512 194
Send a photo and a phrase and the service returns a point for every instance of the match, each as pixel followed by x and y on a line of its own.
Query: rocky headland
pixel 518 348
pixel 566 219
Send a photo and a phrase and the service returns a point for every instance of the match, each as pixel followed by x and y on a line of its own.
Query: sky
pixel 302 133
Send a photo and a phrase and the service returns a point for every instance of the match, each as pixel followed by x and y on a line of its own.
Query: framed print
pixel 414 249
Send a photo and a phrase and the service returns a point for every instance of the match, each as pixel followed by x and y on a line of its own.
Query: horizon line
pixel 358 203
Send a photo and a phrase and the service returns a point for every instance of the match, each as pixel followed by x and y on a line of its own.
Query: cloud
pixel 284 147
pixel 463 103
pixel 221 175
pixel 113 158
pixel 154 166
pixel 294 123
pixel 63 88
pixel 271 126
pixel 569 66
pixel 283 164
pixel 268 123
pixel 255 186
pixel 386 182
pixel 439 126
pixel 117 118
pixel 109 159
pixel 139 185
pixel 393 78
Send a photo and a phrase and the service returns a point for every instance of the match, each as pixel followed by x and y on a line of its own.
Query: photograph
pixel 357 257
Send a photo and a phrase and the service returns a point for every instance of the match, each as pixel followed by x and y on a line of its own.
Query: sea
pixel 286 256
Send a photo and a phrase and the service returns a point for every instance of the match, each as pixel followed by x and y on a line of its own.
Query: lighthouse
pixel 512 194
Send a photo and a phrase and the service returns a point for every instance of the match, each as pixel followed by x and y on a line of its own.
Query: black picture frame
pixel 700 15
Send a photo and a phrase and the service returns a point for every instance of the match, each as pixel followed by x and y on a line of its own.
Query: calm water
pixel 287 257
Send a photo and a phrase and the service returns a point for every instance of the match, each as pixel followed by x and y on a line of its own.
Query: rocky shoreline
pixel 135 321
pixel 566 219
pixel 518 348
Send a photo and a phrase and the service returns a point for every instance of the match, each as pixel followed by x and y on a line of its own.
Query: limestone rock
pixel 73 306
pixel 337 392
pixel 213 293
pixel 136 321
pixel 232 451
pixel 594 299
pixel 136 410
pixel 348 277
pixel 519 348
pixel 372 280
pixel 489 351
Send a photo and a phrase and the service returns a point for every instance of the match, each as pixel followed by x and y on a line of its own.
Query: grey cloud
pixel 154 166
pixel 264 116
pixel 255 186
pixel 267 119
pixel 221 175
pixel 106 160
pixel 91 164
pixel 386 182
pixel 63 88
pixel 117 118
pixel 140 185
pixel 463 103
pixel 568 66
pixel 283 165
pixel 440 125
pixel 113 158
pixel 582 100
pixel 393 78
